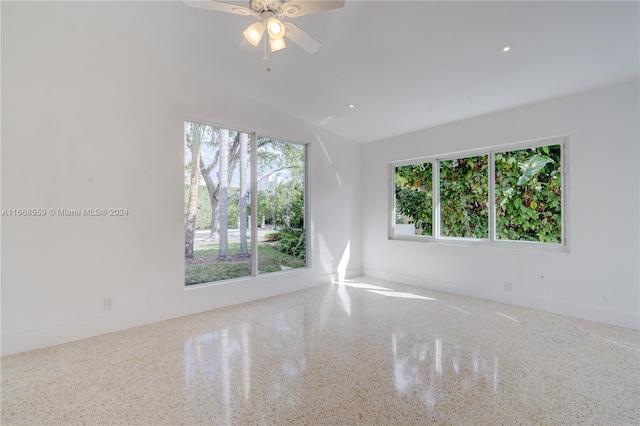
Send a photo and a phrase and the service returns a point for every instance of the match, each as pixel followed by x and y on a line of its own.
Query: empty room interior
pixel 320 212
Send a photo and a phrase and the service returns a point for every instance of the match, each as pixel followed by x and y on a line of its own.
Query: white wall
pixel 598 279
pixel 94 96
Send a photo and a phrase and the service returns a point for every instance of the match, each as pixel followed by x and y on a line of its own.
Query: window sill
pixel 472 242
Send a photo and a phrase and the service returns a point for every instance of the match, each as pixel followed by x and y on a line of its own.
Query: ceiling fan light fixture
pixel 269 14
pixel 254 33
pixel 277 44
pixel 275 27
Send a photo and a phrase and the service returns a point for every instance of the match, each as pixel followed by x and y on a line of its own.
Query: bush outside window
pixel 529 194
pixel 464 197
pixel 512 193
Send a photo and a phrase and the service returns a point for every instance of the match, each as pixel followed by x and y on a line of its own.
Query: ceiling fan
pixel 270 15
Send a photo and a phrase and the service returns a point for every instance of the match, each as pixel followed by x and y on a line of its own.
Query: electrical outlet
pixel 107 303
pixel 507 286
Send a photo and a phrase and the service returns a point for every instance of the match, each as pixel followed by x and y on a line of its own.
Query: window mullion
pixel 435 191
pixel 392 201
pixel 254 205
pixel 564 175
pixel 492 197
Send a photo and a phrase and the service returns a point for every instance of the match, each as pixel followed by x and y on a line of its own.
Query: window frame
pixel 491 241
pixel 253 188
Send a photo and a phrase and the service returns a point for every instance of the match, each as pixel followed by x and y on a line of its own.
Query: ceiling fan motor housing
pixel 266 8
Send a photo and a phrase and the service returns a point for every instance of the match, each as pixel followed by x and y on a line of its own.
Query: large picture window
pixel 224 239
pixel 507 195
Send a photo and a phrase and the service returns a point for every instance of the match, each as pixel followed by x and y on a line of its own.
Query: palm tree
pixel 223 182
pixel 192 207
pixel 242 202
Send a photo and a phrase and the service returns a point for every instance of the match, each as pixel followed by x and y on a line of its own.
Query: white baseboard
pixel 591 313
pixel 268 286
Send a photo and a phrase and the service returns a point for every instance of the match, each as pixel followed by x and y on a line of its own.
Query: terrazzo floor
pixel 361 352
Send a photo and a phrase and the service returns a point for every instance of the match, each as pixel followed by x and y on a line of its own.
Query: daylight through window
pixel 509 194
pixel 223 168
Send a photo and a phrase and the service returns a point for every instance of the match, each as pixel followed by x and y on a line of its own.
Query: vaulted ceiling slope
pixel 409 65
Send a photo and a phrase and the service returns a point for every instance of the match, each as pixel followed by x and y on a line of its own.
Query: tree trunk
pixel 192 206
pixel 242 202
pixel 212 189
pixel 215 219
pixel 223 192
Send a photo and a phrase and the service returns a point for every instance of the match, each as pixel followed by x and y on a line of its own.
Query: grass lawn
pixel 206 267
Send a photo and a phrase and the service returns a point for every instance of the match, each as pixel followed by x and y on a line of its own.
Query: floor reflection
pixel 337 354
pixel 213 361
pixel 429 366
pixel 220 365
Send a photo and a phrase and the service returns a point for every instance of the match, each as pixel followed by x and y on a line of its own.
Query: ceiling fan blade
pixel 219 6
pixel 301 38
pixel 295 8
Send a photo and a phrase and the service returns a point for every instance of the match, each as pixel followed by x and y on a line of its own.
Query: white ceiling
pixel 409 65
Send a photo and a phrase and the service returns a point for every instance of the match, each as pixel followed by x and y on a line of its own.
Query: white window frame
pixel 253 224
pixel 491 241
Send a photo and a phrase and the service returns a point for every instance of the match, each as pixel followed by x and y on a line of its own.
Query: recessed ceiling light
pixel 351 106
pixel 507 48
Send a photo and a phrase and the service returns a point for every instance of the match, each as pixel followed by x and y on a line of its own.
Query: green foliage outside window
pixel 464 197
pixel 414 197
pixel 203 220
pixel 528 197
pixel 281 203
pixel 284 209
